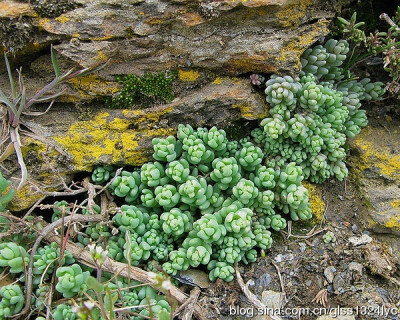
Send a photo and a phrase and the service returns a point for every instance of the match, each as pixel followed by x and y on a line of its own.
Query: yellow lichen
pixel 189 75
pixel 291 14
pixel 247 111
pixel 395 204
pixel 108 140
pixel 295 47
pixel 374 155
pixel 93 85
pixel 218 80
pixel 63 19
pixel 393 223
pixel 317 203
pixel 101 56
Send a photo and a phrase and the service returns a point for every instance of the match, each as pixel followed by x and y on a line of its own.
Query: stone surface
pixel 225 36
pixel 77 140
pixel 376 171
pixel 11 9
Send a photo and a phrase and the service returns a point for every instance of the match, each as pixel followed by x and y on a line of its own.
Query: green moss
pixel 143 92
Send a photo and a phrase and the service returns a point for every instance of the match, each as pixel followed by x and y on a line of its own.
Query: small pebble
pixel 329 273
pixel 308 283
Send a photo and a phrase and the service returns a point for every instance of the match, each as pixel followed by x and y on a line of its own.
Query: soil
pixel 357 283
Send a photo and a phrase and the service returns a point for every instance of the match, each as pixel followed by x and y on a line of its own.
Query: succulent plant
pixel 12 300
pixel 102 174
pixel 176 222
pixel 132 218
pixel 13 256
pixel 64 312
pixel 220 270
pixel 167 149
pixel 126 186
pixel 6 194
pixel 178 170
pixel 167 196
pixel 47 258
pixel 71 280
pixel 153 174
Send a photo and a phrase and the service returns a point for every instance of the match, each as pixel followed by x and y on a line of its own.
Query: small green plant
pixel 329 237
pixel 6 193
pixel 19 104
pixel 380 43
pixel 143 92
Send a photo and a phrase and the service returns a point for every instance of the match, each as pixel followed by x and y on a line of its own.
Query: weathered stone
pixel 376 172
pixel 11 9
pixel 123 137
pixel 226 37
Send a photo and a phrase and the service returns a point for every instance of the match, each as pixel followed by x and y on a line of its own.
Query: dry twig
pixel 249 295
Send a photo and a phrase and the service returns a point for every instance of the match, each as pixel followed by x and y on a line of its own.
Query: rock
pixel 329 273
pixel 263 282
pixel 236 36
pixel 272 299
pixel 359 241
pixel 376 172
pixel 356 269
pixel 284 257
pixel 194 278
pixel 11 9
pixel 379 260
pixel 78 141
pixel 341 282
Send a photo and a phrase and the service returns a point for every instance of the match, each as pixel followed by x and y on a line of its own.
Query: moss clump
pixel 51 8
pixel 143 92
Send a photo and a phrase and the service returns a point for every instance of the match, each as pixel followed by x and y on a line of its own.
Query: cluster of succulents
pixel 145 91
pixel 6 194
pixel 311 117
pixel 205 200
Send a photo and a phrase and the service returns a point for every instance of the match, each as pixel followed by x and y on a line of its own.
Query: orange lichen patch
pixel 218 80
pixel 249 63
pixel 101 56
pixel 11 9
pixel 317 203
pixel 255 3
pixel 188 75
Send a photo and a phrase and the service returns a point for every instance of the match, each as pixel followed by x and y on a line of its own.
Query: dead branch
pixel 194 295
pixel 43 234
pixel 249 295
pixel 109 265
